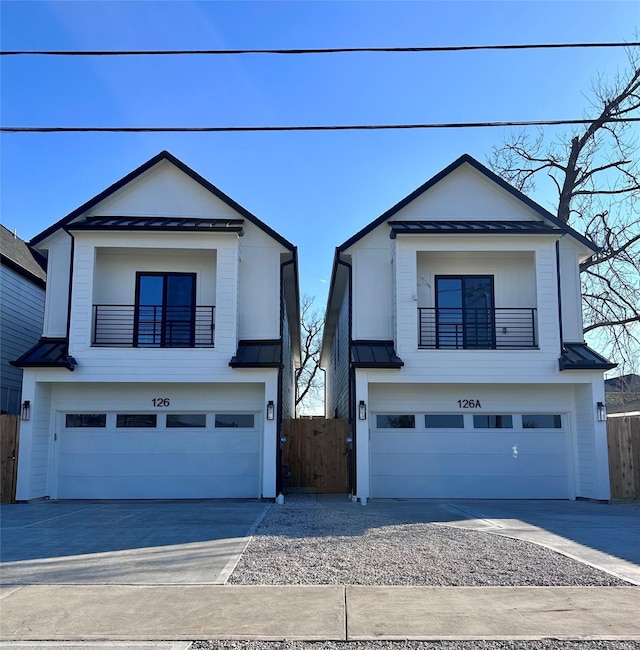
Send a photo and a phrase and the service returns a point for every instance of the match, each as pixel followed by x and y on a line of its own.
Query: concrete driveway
pixel 124 543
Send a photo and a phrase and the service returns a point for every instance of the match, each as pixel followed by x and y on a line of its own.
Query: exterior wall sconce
pixel 270 410
pixel 362 410
pixel 602 412
pixel 25 412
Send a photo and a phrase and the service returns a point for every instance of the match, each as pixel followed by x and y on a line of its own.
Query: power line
pixel 328 50
pixel 319 127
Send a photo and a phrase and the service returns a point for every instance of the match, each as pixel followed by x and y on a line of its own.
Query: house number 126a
pixel 160 401
pixel 469 404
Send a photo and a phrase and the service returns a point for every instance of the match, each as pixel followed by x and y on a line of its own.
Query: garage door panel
pixel 129 463
pixel 142 487
pixel 470 442
pixel 457 487
pixel 155 464
pixel 467 464
pixel 144 442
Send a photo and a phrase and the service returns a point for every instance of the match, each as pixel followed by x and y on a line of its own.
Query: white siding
pixel 258 286
pixel 571 292
pixel 591 446
pixel 163 191
pixel 337 370
pixel 57 298
pixel 466 194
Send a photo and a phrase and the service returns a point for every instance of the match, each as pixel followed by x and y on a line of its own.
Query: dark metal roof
pixel 475 227
pixel 257 354
pixel 158 223
pixel 163 155
pixel 466 158
pixel 374 354
pixel 47 353
pixel 17 255
pixel 579 356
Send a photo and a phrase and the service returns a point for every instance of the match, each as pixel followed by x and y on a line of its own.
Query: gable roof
pixel 163 155
pixel 17 255
pixel 466 158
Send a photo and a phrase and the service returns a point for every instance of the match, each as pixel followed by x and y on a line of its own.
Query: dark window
pixel 437 421
pixel 234 420
pixel 85 420
pixel 542 421
pixel 165 310
pixel 186 420
pixel 465 312
pixel 396 421
pixel 493 422
pixel 136 420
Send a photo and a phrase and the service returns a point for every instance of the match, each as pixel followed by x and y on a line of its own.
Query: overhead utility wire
pixel 336 127
pixel 321 50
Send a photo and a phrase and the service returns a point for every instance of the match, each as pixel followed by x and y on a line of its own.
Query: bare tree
pixel 596 173
pixel 309 384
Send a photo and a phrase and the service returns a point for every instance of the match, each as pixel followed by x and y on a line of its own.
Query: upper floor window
pixel 165 310
pixel 465 312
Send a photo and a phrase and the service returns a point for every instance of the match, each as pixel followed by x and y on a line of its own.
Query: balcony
pixel 455 328
pixel 153 326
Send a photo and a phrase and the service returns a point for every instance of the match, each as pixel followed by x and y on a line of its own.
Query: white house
pixel 453 342
pixel 166 362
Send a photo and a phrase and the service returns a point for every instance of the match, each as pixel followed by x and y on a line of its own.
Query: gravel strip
pixel 543 644
pixel 307 542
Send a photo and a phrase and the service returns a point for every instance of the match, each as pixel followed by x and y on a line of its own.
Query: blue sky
pixel 316 189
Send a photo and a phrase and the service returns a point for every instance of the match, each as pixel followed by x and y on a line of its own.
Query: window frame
pixel 164 320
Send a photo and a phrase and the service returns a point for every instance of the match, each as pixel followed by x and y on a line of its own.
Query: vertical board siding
pixel 9 433
pixel 21 318
pixel 315 453
pixel 623 436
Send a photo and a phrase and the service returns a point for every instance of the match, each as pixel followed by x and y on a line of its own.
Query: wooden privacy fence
pixel 9 430
pixel 623 439
pixel 316 454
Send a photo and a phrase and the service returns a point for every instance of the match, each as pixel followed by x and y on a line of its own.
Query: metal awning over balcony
pixel 159 223
pixel 474 227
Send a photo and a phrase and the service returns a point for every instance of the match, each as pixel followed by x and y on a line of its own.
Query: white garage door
pixel 495 456
pixel 158 456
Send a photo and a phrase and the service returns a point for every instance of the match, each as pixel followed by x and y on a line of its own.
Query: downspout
pixel 353 465
pixel 279 431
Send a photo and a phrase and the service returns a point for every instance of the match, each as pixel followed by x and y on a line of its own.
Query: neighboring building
pixel 167 357
pixel 623 394
pixel 22 284
pixel 453 342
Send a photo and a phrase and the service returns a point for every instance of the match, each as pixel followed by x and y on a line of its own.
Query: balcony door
pixel 165 310
pixel 465 315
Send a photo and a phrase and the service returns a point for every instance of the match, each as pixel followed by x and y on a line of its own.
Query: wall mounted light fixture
pixel 25 412
pixel 270 410
pixel 362 410
pixel 602 412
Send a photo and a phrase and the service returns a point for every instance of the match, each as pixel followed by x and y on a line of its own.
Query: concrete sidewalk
pixel 109 612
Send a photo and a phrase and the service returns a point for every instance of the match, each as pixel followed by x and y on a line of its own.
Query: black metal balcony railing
pixel 453 328
pixel 153 326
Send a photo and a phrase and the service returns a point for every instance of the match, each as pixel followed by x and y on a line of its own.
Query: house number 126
pixel 160 401
pixel 469 404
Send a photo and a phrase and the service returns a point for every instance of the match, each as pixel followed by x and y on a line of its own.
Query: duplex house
pixel 171 333
pixel 453 342
pixel 22 283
